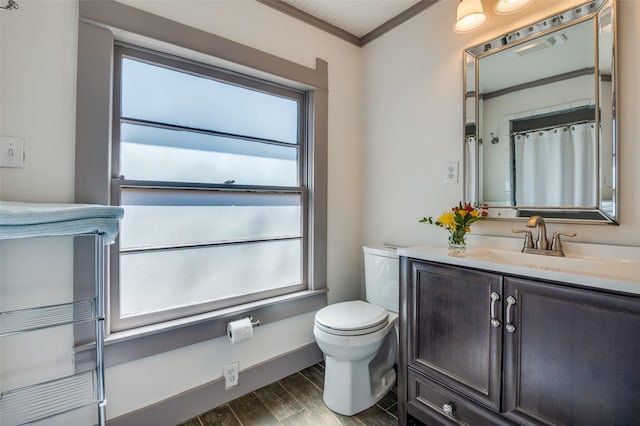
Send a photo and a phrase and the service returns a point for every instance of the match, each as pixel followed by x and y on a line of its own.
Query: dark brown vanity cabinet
pixel 481 348
pixel 573 358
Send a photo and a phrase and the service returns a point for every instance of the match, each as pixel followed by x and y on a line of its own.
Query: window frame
pixel 119 182
pixel 100 25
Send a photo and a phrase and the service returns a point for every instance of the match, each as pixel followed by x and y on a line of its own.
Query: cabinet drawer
pixel 426 401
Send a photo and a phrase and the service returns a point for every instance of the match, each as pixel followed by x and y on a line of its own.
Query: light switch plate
pixel 11 152
pixel 450 172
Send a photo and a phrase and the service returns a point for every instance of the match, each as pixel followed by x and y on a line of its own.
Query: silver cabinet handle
pixel 448 408
pixel 511 301
pixel 494 298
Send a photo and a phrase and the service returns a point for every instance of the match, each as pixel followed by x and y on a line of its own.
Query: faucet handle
pixel 557 243
pixel 528 238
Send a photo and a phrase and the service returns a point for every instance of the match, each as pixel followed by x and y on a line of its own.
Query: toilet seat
pixel 353 318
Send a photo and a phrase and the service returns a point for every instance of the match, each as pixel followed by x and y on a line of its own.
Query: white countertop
pixel 607 267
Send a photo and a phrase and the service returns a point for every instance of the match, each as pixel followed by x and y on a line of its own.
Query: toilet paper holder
pixel 242 329
pixel 254 323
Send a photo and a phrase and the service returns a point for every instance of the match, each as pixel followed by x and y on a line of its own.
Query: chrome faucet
pixel 542 245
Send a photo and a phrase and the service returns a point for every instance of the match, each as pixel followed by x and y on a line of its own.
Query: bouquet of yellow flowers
pixel 457 221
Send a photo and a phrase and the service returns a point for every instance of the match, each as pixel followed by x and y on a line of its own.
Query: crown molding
pixel 387 26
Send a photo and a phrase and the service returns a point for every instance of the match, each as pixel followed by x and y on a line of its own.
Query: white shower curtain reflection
pixel 473 153
pixel 556 167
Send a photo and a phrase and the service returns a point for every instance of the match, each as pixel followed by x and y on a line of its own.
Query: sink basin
pixel 619 269
pixel 615 268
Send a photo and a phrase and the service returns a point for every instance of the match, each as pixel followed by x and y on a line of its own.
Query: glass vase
pixel 457 247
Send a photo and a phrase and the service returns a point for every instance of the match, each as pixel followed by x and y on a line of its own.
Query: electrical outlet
pixel 230 372
pixel 450 172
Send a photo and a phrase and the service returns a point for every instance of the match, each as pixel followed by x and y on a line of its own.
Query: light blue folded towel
pixel 23 220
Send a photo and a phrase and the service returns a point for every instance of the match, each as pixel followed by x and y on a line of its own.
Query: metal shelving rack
pixel 44 400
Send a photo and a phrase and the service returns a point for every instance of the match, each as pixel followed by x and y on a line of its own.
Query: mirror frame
pixel 592 9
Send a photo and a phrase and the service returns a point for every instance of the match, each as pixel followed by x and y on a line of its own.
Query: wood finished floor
pixel 294 400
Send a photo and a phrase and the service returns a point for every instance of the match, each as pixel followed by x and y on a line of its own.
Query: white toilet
pixel 360 339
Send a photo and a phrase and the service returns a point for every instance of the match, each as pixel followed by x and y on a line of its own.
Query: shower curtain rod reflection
pixel 557 126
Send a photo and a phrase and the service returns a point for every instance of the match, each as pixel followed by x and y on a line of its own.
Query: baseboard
pixel 196 401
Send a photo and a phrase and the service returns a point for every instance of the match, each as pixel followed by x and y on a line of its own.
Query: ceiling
pixel 356 21
pixel 355 16
pixel 559 52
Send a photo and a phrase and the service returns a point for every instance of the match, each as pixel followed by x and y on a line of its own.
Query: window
pixel 210 167
pixel 103 25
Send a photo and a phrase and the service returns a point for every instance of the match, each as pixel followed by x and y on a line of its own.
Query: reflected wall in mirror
pixel 540 118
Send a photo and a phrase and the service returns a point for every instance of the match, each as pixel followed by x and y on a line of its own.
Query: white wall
pixel 412 121
pixel 37 91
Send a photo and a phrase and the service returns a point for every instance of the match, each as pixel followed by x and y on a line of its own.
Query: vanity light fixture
pixel 470 16
pixel 505 7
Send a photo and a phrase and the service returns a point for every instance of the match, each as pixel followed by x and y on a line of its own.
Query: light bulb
pixel 470 16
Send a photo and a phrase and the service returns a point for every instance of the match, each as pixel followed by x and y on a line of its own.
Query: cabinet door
pixel 573 357
pixel 450 336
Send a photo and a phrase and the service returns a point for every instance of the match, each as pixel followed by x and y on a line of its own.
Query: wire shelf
pixel 20 321
pixel 37 402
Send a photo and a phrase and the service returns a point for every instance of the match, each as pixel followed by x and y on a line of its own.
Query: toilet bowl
pixel 360 339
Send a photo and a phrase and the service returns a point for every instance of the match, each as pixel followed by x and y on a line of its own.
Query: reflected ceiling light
pixel 504 7
pixel 541 43
pixel 470 16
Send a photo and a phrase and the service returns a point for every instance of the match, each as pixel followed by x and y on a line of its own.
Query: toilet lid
pixel 351 318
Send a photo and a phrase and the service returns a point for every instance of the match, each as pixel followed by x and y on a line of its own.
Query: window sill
pixel 130 345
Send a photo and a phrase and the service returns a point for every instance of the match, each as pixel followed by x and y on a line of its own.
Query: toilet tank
pixel 382 277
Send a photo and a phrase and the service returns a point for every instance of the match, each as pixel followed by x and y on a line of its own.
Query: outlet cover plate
pixel 450 172
pixel 231 373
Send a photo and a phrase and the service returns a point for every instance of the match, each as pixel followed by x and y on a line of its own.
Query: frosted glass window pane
pixel 165 217
pixel 151 153
pixel 159 94
pixel 161 280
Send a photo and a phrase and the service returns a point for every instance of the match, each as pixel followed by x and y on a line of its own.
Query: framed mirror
pixel 540 119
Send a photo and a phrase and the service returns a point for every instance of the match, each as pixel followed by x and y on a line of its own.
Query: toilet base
pixel 350 387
